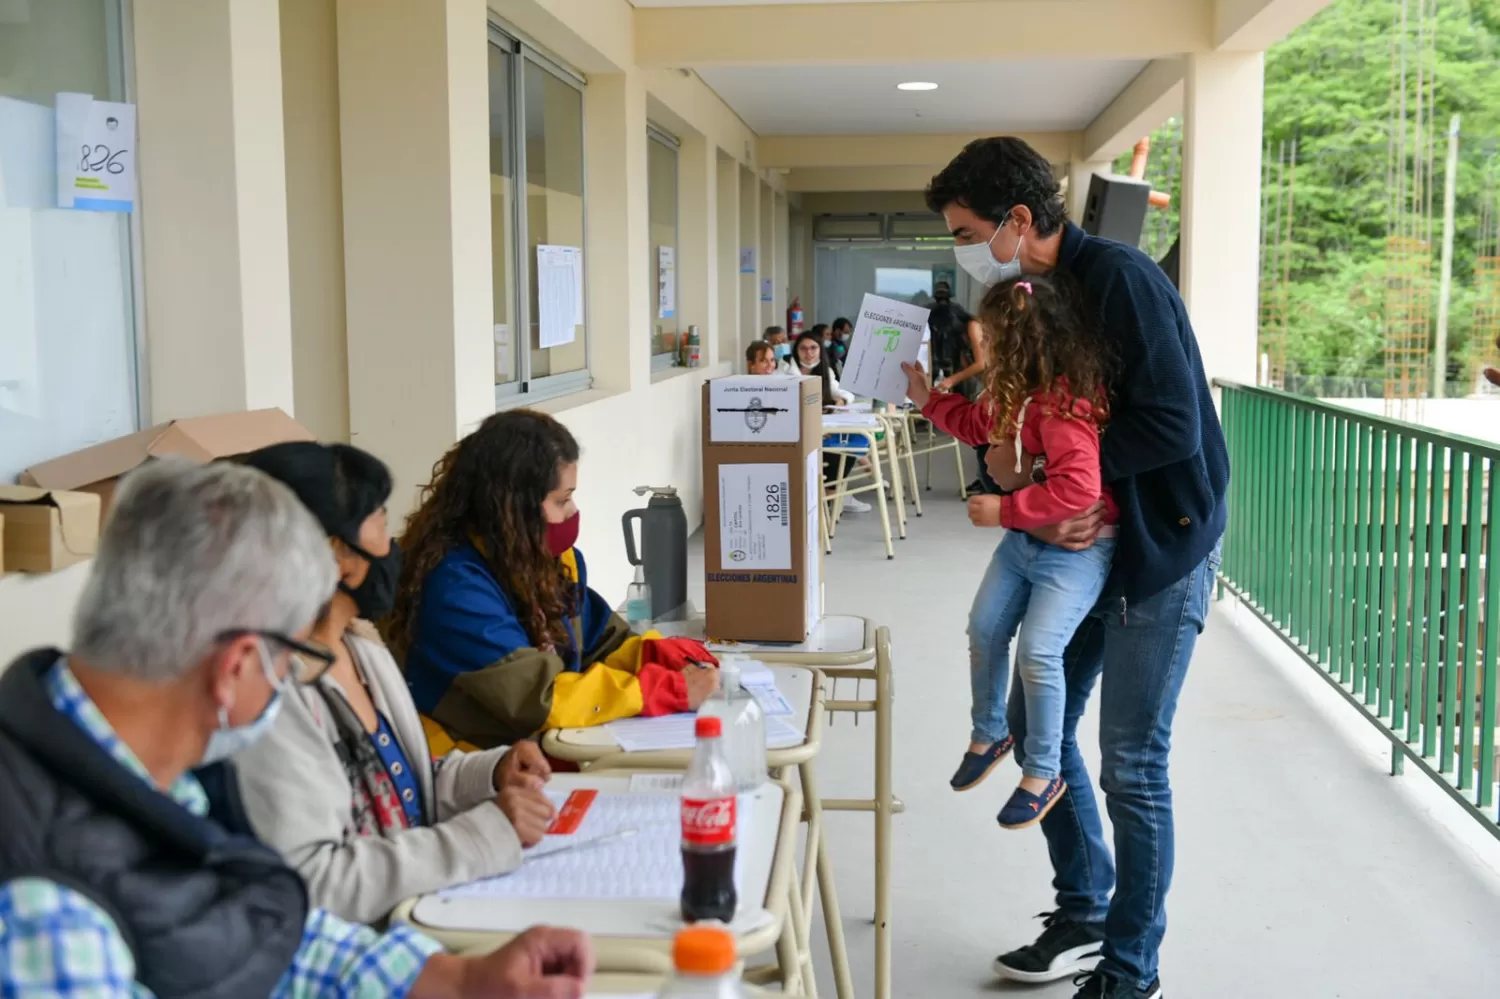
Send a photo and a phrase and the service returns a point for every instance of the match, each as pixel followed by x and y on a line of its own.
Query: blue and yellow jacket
pixel 477 679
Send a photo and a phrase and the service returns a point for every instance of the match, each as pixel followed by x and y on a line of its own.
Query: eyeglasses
pixel 309 660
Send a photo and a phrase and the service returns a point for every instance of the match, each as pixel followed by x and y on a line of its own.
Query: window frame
pixel 524 389
pixel 665 360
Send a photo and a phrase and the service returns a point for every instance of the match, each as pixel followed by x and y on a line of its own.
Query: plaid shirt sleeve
pixel 56 942
pixel 340 960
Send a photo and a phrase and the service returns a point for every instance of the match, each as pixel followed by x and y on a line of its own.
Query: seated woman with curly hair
pixel 499 631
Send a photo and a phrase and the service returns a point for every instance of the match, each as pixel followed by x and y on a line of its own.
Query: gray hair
pixel 192 551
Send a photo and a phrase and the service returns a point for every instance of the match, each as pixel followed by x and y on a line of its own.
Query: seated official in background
pixel 759 358
pixel 124 873
pixel 500 634
pixel 343 784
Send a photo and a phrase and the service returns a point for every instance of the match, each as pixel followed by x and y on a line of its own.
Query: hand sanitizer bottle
pixel 638 602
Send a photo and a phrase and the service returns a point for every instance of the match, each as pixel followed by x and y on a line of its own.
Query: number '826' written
pixel 102 159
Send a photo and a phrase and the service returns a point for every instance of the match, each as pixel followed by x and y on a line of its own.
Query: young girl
pixel 501 635
pixel 1046 383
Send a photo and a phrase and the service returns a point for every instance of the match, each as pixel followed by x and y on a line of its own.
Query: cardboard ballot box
pixel 202 438
pixel 762 465
pixel 47 529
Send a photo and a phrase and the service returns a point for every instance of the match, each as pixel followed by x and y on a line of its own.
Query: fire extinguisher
pixel 794 317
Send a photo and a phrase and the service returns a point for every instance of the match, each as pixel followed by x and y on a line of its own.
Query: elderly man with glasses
pixel 126 865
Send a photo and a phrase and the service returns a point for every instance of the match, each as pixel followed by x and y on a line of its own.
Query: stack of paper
pixel 850 421
pixel 644 735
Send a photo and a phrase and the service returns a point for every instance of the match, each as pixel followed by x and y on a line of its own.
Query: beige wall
pixel 315 215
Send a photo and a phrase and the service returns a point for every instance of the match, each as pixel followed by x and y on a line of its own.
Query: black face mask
pixel 375 597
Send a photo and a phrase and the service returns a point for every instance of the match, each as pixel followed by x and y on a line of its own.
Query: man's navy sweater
pixel 1163 451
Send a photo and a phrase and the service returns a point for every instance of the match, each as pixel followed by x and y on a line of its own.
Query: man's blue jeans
pixel 1051 590
pixel 1142 653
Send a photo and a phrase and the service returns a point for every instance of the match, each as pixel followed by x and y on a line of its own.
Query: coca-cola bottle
pixel 708 829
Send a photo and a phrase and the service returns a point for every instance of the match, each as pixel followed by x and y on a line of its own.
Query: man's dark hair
pixel 756 348
pixel 992 176
pixel 819 329
pixel 841 324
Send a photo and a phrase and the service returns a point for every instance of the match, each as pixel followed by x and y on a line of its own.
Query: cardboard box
pixel 48 529
pixel 202 438
pixel 763 553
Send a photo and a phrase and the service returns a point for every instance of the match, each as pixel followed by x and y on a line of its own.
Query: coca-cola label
pixel 708 822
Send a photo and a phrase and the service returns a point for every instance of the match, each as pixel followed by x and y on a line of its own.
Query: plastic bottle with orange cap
pixel 707 966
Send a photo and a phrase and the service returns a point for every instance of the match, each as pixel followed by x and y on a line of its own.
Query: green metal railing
pixel 1364 543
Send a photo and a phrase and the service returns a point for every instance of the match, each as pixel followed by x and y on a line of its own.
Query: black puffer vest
pixel 206 910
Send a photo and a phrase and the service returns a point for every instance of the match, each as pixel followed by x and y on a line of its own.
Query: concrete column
pixel 750 324
pixel 765 263
pixel 1079 174
pixel 213 180
pixel 727 340
pixel 1221 208
pixel 698 241
pixel 617 232
pixel 414 121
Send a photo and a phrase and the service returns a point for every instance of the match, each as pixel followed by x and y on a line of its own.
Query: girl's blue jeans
pixel 1046 592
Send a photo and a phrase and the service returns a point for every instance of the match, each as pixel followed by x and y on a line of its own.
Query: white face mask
pixel 227 740
pixel 981 264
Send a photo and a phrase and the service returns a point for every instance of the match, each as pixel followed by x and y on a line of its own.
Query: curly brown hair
pixel 1040 340
pixel 487 491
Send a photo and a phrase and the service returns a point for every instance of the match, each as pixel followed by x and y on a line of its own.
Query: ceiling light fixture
pixel 917 85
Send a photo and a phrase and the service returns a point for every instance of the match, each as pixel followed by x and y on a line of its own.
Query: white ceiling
pixel 1011 96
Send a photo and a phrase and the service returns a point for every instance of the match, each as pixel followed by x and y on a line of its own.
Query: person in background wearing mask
pixel 500 633
pixel 842 330
pixel 780 346
pixel 958 352
pixel 126 867
pixel 759 358
pixel 1165 461
pixel 343 785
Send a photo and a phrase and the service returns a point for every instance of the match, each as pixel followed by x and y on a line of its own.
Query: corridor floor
pixel 1303 870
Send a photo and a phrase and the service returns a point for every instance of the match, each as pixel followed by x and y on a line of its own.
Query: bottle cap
pixel 703 950
pixel 708 727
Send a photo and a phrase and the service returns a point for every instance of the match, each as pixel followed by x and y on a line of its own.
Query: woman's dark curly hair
pixel 991 176
pixel 1041 340
pixel 487 491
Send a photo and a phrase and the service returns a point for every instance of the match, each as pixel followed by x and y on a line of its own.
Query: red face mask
pixel 561 537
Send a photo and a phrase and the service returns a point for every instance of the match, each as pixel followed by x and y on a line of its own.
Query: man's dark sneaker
pixel 1066 947
pixel 1099 985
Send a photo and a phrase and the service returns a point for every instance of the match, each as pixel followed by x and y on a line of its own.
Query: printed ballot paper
pixel 887 334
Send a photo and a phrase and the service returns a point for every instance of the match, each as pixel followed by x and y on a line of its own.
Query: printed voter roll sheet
pixel 887 334
pixel 755 409
pixel 755 526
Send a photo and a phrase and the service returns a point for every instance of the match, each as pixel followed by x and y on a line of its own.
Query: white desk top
pixel 760 815
pixel 837 639
pixel 795 682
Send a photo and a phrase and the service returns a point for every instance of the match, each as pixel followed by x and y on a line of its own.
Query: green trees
pixel 1328 86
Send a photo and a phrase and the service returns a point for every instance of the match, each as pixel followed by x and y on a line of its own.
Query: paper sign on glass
pixel 887 334
pixel 747 260
pixel 755 520
pixel 666 282
pixel 559 286
pixel 766 289
pixel 95 154
pixel 755 409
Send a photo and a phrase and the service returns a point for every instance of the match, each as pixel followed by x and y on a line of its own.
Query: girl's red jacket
pixel 1056 425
